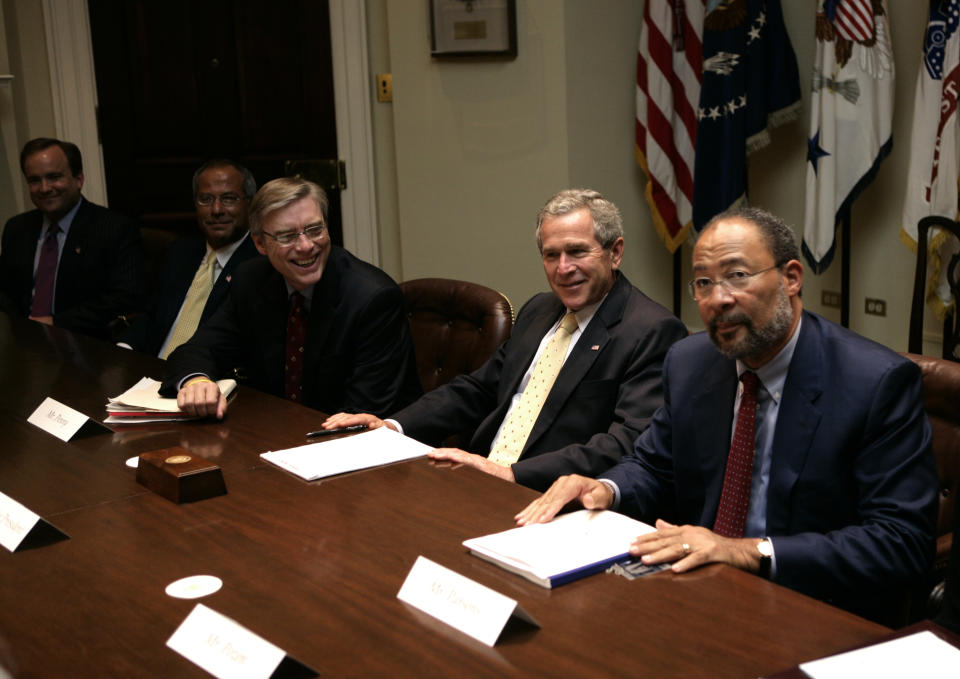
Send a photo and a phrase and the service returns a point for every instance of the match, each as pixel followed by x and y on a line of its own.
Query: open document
pixel 143 403
pixel 570 547
pixel 360 451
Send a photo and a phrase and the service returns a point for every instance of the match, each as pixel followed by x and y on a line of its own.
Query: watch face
pixel 765 548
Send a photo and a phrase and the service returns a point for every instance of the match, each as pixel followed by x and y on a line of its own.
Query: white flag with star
pixel 851 116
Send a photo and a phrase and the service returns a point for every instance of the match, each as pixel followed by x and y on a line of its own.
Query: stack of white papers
pixel 142 403
pixel 360 451
pixel 570 547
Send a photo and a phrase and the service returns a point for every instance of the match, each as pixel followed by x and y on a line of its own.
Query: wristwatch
pixel 765 548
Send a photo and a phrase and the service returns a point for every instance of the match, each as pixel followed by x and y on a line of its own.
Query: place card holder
pixel 21 528
pixel 179 475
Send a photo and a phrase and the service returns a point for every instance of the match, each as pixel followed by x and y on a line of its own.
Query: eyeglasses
pixel 226 199
pixel 313 232
pixel 702 288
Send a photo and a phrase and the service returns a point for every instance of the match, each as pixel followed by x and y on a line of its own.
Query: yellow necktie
pixel 520 420
pixel 193 304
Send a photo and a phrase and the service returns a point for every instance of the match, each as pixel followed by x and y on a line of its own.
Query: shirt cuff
pixel 615 489
pixel 395 424
pixel 190 377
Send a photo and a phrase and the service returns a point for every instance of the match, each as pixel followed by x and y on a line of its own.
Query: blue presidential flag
pixel 750 84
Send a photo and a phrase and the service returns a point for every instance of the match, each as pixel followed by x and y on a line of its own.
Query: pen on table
pixel 338 430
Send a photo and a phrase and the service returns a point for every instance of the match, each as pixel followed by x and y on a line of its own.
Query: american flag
pixel 669 64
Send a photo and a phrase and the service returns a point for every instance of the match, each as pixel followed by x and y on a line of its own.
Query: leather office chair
pixel 456 326
pixel 941 386
pixel 951 322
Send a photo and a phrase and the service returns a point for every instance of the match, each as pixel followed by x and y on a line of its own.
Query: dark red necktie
pixel 735 498
pixel 46 275
pixel 296 340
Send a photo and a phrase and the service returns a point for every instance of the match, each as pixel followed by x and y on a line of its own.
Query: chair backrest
pixel 951 328
pixel 941 387
pixel 155 243
pixel 456 326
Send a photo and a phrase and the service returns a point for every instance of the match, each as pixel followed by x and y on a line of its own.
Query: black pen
pixel 338 430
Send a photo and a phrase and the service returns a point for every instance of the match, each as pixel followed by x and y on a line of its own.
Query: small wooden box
pixel 179 475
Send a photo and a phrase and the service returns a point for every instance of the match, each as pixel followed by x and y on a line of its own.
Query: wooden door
pixel 181 81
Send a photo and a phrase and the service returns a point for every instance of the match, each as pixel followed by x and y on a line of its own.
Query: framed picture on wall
pixel 473 28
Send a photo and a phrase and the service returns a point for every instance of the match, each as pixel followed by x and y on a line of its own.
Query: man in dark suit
pixel 310 321
pixel 817 470
pixel 68 263
pixel 185 296
pixel 609 383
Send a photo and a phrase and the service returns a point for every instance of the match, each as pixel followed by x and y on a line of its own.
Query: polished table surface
pixel 314 568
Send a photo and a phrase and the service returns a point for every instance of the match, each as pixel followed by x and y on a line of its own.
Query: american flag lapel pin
pixel 595 347
pixel 229 277
pixel 77 250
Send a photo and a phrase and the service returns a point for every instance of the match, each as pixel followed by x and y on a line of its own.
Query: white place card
pixel 16 522
pixel 468 606
pixel 60 420
pixel 223 647
pixel 922 654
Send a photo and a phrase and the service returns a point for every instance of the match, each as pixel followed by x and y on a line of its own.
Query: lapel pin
pixel 228 278
pixel 595 347
pixel 77 250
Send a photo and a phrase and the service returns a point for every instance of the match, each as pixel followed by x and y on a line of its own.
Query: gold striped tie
pixel 520 421
pixel 193 304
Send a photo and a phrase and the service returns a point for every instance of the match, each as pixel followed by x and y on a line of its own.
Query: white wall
pixel 478 147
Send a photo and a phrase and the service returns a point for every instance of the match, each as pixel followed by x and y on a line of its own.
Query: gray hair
pixel 607 223
pixel 279 193
pixel 249 183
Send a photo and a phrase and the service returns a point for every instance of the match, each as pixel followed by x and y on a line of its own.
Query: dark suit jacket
pixel 100 276
pixel 180 264
pixel 851 505
pixel 603 397
pixel 359 355
pixel 949 615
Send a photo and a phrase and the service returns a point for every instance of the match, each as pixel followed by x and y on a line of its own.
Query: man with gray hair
pixel 579 377
pixel 309 322
pixel 198 269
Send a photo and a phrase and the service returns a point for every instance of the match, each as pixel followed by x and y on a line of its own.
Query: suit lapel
pixel 711 413
pixel 323 305
pixel 585 352
pixel 797 423
pixel 74 247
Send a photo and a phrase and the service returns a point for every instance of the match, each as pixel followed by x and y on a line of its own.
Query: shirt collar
pixel 64 222
pixel 585 314
pixel 773 373
pixel 226 252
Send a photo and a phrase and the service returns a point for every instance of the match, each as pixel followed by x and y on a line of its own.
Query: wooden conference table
pixel 314 568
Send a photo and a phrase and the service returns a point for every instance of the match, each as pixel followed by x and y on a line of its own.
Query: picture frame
pixel 473 28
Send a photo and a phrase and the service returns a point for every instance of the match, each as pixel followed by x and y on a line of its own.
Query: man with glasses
pixel 787 446
pixel 309 322
pixel 198 269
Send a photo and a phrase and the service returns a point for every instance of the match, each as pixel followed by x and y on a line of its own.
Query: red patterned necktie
pixel 735 498
pixel 46 274
pixel 296 339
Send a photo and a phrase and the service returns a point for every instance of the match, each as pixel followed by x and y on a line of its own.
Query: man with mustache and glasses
pixel 309 322
pixel 786 446
pixel 198 269
pixel 69 263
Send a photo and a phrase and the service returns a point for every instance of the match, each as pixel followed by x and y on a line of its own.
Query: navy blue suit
pixel 604 396
pixel 851 506
pixel 100 276
pixel 358 355
pixel 180 264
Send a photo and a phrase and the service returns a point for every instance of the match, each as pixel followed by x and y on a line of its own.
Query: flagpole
pixel 677 283
pixel 845 269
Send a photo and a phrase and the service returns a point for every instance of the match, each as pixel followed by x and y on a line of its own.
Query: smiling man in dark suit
pixel 309 322
pixel 786 446
pixel 532 423
pixel 68 263
pixel 198 269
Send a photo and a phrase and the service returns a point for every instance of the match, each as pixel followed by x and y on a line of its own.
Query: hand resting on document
pixel 686 546
pixel 454 455
pixel 201 397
